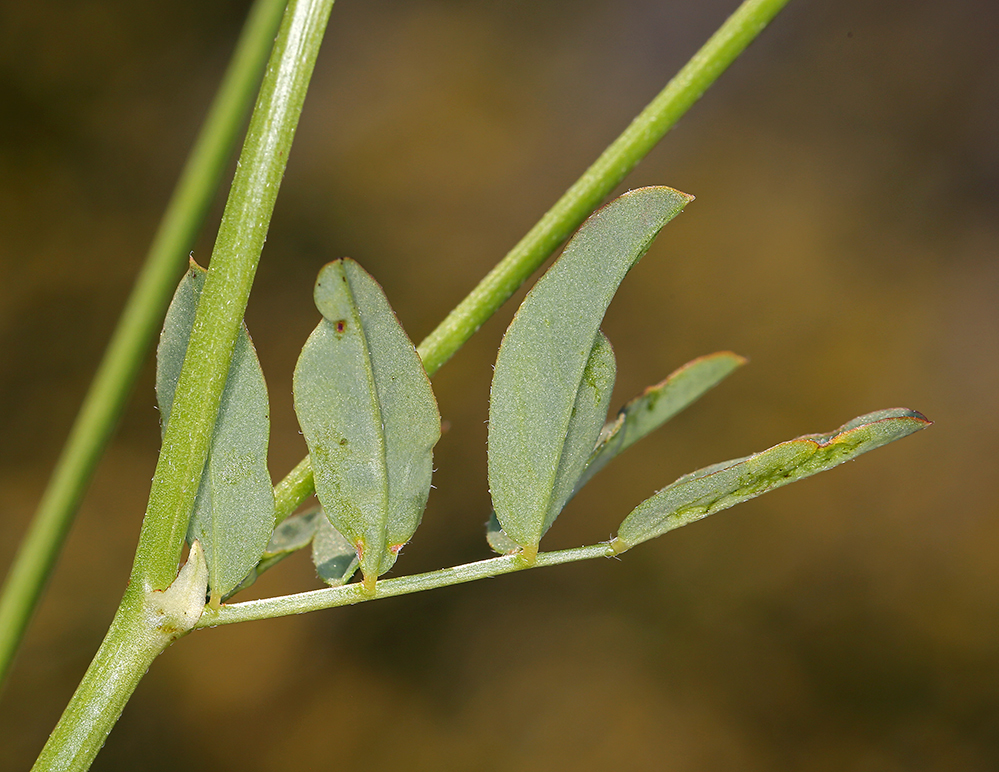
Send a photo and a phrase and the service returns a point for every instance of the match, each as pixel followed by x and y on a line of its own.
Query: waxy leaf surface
pixel 543 359
pixel 587 419
pixel 293 534
pixel 334 557
pixel 642 415
pixel 368 415
pixel 720 486
pixel 656 405
pixel 498 541
pixel 234 509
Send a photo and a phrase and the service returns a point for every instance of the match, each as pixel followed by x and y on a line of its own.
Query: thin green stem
pixel 350 594
pixel 295 488
pixel 227 287
pixel 184 216
pixel 558 223
pixel 575 205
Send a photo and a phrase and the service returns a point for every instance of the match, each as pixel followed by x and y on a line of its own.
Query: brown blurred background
pixel 845 237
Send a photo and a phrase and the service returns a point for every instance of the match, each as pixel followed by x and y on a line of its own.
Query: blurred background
pixel 845 238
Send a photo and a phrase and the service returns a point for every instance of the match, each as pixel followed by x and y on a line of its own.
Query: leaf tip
pixel 737 359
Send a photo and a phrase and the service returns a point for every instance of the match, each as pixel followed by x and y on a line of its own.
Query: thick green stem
pixel 349 594
pixel 227 287
pixel 137 327
pixel 558 223
pixel 145 624
pixel 148 619
pixel 124 657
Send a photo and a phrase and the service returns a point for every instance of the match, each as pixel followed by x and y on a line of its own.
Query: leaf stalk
pixel 351 594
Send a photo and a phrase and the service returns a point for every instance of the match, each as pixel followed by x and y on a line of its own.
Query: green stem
pixel 597 182
pixel 295 488
pixel 349 594
pixel 227 287
pixel 145 624
pixel 575 205
pixel 157 609
pixel 124 657
pixel 184 216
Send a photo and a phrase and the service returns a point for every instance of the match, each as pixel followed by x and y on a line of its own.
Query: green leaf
pixel 334 557
pixel 544 355
pixel 291 535
pixel 234 509
pixel 656 405
pixel 587 419
pixel 498 541
pixel 368 415
pixel 588 415
pixel 294 534
pixel 645 413
pixel 720 486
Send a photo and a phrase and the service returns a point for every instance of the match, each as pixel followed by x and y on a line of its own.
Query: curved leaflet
pixel 291 535
pixel 656 405
pixel 720 486
pixel 369 417
pixel 333 556
pixel 234 510
pixel 547 358
pixel 639 417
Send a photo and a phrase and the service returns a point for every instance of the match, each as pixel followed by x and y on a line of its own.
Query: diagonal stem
pixel 223 300
pixel 156 602
pixel 184 216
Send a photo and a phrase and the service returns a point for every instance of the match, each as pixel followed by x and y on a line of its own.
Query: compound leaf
pixel 369 417
pixel 543 358
pixel 720 486
pixel 234 509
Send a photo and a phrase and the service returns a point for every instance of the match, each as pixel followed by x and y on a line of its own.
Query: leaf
pixel 645 413
pixel 498 541
pixel 293 534
pixel 543 358
pixel 368 415
pixel 587 419
pixel 588 415
pixel 334 557
pixel 720 486
pixel 656 405
pixel 234 509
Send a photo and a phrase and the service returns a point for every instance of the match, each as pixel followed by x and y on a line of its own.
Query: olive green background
pixel 845 238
